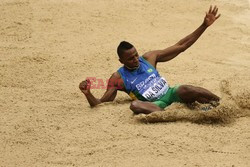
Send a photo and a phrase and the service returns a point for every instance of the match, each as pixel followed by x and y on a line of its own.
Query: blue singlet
pixel 144 83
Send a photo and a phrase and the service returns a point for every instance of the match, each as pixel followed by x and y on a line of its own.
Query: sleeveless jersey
pixel 144 83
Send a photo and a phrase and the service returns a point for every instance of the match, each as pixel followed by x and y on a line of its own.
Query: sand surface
pixel 47 47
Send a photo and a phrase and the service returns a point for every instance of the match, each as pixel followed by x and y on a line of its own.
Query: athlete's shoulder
pixel 150 57
pixel 116 75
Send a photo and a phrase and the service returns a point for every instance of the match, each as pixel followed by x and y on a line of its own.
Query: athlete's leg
pixel 139 107
pixel 190 94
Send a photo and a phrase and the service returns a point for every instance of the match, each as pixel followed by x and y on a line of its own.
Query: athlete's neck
pixel 132 68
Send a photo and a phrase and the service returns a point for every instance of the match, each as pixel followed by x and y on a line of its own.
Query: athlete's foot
pixel 214 103
pixel 207 108
pixel 191 105
pixel 210 105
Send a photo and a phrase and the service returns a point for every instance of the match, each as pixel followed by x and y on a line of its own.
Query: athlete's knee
pixel 134 106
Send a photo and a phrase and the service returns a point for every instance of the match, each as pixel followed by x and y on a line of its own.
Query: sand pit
pixel 47 47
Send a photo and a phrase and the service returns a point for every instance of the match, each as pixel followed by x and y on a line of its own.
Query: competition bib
pixel 154 89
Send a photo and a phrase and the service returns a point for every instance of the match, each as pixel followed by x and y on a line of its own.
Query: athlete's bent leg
pixel 141 107
pixel 190 94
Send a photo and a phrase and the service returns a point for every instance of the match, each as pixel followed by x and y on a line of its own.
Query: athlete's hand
pixel 211 16
pixel 84 86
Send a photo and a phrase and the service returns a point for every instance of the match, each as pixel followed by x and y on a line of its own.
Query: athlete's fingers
pixel 87 80
pixel 217 16
pixel 87 84
pixel 84 84
pixel 81 85
pixel 216 10
pixel 210 9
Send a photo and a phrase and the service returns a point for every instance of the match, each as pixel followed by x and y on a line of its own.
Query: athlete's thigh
pixel 187 93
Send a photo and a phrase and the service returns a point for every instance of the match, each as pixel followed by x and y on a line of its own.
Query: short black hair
pixel 124 45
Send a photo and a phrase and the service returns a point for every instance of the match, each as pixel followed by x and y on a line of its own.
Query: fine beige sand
pixel 48 47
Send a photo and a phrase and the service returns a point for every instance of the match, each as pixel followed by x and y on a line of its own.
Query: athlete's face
pixel 130 58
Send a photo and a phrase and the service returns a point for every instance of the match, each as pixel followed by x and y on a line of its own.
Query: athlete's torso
pixel 144 83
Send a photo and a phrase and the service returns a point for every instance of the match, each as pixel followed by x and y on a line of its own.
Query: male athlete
pixel 142 82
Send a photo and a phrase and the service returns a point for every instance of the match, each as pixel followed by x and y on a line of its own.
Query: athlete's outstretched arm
pixel 169 53
pixel 110 94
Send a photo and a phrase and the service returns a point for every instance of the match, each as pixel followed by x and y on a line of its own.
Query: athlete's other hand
pixel 84 86
pixel 211 16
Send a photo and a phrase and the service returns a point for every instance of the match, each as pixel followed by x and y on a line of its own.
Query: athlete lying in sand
pixel 140 79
